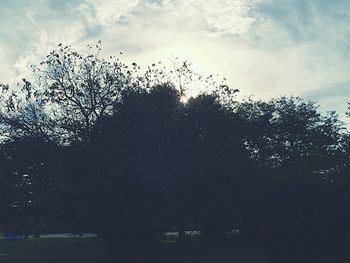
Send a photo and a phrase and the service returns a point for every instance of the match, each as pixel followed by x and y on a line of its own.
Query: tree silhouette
pixel 95 143
pixel 300 150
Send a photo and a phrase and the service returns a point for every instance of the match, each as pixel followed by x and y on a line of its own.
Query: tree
pixel 92 142
pixel 288 133
pixel 299 152
pixel 132 162
pixel 68 95
pixel 216 166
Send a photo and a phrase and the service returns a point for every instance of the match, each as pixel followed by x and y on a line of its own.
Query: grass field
pixel 94 250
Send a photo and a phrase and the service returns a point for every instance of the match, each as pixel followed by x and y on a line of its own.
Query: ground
pixel 94 250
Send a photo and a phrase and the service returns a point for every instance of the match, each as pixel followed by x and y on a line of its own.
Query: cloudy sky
pixel 266 48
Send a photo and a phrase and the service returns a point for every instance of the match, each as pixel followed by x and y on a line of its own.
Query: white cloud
pixel 267 48
pixel 7 73
pixel 106 12
pixel 228 17
pixel 209 16
pixel 30 15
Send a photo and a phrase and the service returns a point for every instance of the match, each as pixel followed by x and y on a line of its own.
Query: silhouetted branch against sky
pixel 265 48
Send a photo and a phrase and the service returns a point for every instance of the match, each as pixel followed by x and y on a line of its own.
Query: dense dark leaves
pixel 92 144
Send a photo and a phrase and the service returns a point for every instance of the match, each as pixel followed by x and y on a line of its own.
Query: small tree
pixel 69 94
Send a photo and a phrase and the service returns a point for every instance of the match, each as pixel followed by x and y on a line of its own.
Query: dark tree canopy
pixel 95 144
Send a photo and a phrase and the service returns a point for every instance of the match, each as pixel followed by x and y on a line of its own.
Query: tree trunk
pixel 181 230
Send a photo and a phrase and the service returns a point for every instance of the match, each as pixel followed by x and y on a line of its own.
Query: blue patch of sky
pixel 339 90
pixel 92 31
pixel 332 98
pixel 63 5
pixel 292 16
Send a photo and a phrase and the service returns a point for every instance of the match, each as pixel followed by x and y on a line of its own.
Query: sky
pixel 265 48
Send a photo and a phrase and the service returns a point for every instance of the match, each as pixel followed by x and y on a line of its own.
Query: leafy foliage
pixel 94 142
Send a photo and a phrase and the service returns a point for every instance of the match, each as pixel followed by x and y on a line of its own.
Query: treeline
pixel 94 144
